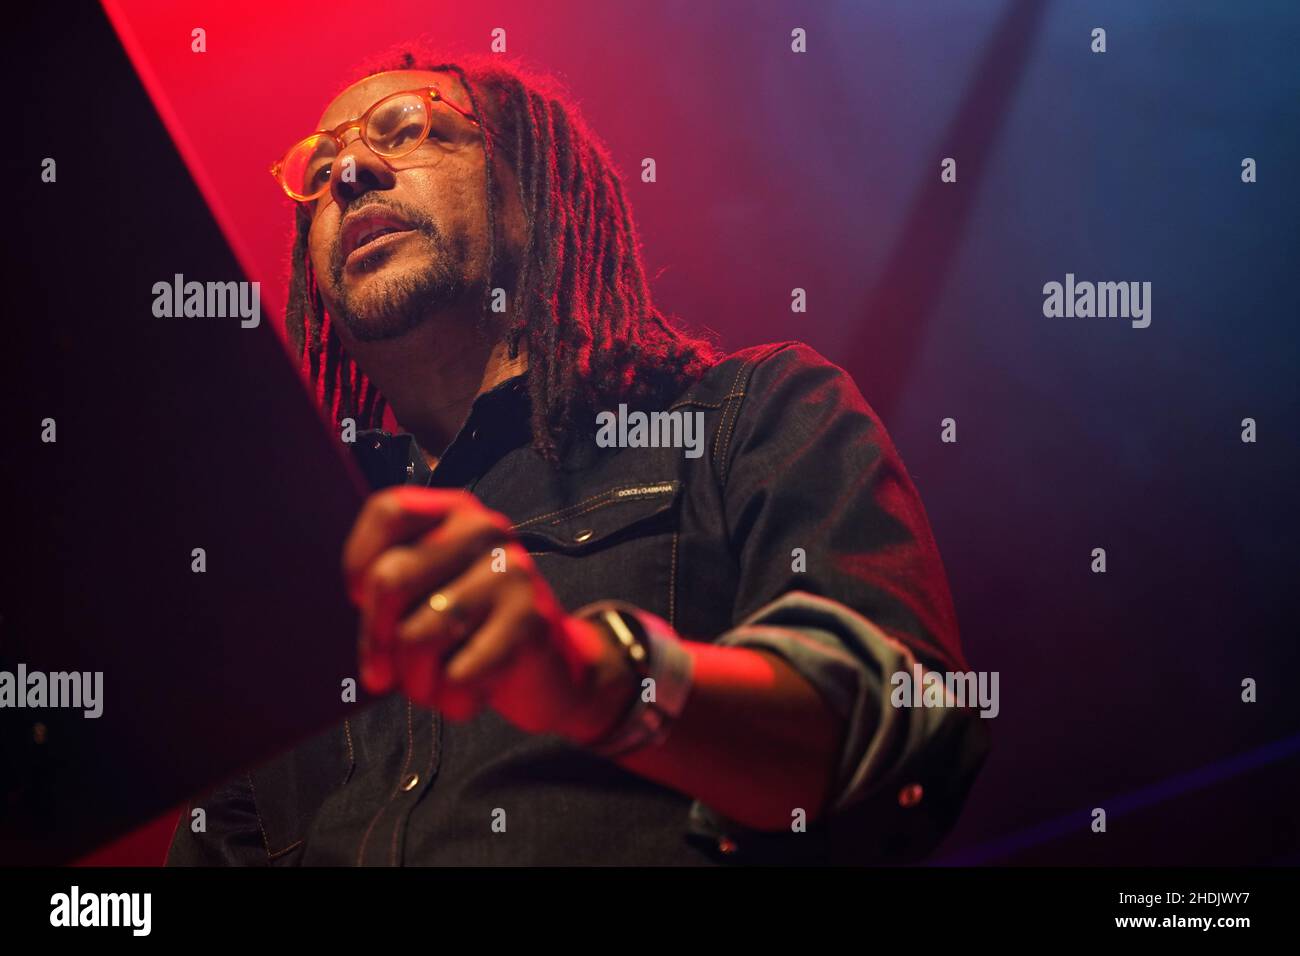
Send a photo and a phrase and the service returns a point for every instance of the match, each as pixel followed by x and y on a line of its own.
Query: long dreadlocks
pixel 581 301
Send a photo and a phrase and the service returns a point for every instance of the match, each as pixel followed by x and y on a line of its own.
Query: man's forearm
pixel 754 742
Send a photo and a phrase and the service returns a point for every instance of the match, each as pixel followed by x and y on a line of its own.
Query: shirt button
pixel 411 782
pixel 582 535
pixel 910 795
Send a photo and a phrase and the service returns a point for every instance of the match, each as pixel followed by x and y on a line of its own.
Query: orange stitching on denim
pixel 291 846
pixel 749 366
pixel 588 510
pixel 696 401
pixel 428 773
pixel 603 504
pixel 726 446
pixel 352 758
pixel 270 854
pixel 568 512
pixel 253 790
pixel 524 524
pixel 361 851
pixel 718 434
pixel 672 584
pixel 410 752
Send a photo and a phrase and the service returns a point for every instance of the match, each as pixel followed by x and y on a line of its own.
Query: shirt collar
pixel 498 422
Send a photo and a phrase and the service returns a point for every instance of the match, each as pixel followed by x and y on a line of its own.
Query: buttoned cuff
pixel 902 772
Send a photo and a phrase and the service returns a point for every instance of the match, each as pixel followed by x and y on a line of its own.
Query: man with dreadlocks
pixel 587 654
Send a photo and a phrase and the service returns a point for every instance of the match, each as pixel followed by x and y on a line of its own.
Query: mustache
pixel 419 220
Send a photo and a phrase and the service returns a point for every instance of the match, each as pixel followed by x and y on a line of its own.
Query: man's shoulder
pixel 731 375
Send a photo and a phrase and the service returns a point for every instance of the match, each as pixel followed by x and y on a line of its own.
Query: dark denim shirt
pixel 796 530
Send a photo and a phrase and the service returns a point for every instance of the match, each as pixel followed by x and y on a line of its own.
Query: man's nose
pixel 357 170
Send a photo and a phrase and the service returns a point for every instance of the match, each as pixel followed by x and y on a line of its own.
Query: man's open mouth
pixel 367 232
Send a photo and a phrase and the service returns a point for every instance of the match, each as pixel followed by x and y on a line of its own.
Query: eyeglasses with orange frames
pixel 395 126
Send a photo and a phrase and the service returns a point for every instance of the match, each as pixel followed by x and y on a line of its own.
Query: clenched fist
pixel 455 615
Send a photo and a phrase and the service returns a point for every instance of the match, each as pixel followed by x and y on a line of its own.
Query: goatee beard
pixel 390 307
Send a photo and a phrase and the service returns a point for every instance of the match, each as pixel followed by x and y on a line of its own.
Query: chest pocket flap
pixel 601 519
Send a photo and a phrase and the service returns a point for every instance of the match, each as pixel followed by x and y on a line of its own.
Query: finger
pixel 419 672
pixel 420 676
pixel 494 646
pixel 385 600
pixel 434 629
pixel 377 671
pixel 406 575
pixel 391 517
pixel 402 577
pixel 451 613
